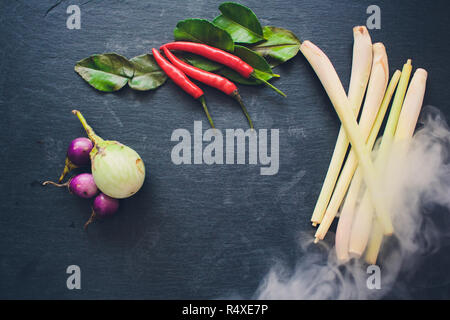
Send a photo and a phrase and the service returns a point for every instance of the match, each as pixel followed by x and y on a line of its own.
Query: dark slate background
pixel 192 231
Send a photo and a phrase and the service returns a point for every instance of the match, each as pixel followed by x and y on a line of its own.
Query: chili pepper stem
pixel 237 97
pixel 203 102
pixel 271 86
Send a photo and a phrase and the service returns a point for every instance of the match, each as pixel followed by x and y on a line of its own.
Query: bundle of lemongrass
pixel 362 225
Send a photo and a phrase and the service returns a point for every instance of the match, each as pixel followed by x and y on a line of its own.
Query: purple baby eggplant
pixel 77 155
pixel 82 185
pixel 104 206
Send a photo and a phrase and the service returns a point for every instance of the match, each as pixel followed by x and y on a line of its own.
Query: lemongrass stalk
pixel 375 240
pixel 362 222
pixel 347 211
pixel 403 134
pixel 333 86
pixel 412 106
pixel 361 64
pixel 379 77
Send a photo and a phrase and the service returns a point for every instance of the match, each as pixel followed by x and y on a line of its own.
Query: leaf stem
pixel 270 86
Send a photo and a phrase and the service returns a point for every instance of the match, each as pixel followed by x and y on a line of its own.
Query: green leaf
pixel 203 31
pixel 105 72
pixel 199 61
pixel 260 65
pixel 240 22
pixel 147 73
pixel 281 45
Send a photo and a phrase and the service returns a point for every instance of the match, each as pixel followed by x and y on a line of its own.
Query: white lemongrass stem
pixel 379 78
pixel 347 211
pixel 374 245
pixel 403 134
pixel 333 86
pixel 362 221
pixel 411 107
pixel 361 64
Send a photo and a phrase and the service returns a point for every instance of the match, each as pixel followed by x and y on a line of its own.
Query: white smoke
pixel 418 183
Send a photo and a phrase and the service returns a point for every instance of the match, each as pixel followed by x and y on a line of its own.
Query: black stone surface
pixel 193 231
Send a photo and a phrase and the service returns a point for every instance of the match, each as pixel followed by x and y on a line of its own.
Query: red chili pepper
pixel 182 81
pixel 211 79
pixel 223 57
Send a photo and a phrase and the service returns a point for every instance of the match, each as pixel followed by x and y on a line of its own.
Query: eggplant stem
pixel 56 184
pixel 90 132
pixel 69 166
pixel 203 102
pixel 91 219
pixel 237 97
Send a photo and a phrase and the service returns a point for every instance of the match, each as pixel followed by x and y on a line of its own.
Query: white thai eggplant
pixel 118 170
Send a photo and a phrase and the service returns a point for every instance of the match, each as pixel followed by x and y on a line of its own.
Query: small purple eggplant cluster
pixel 83 184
